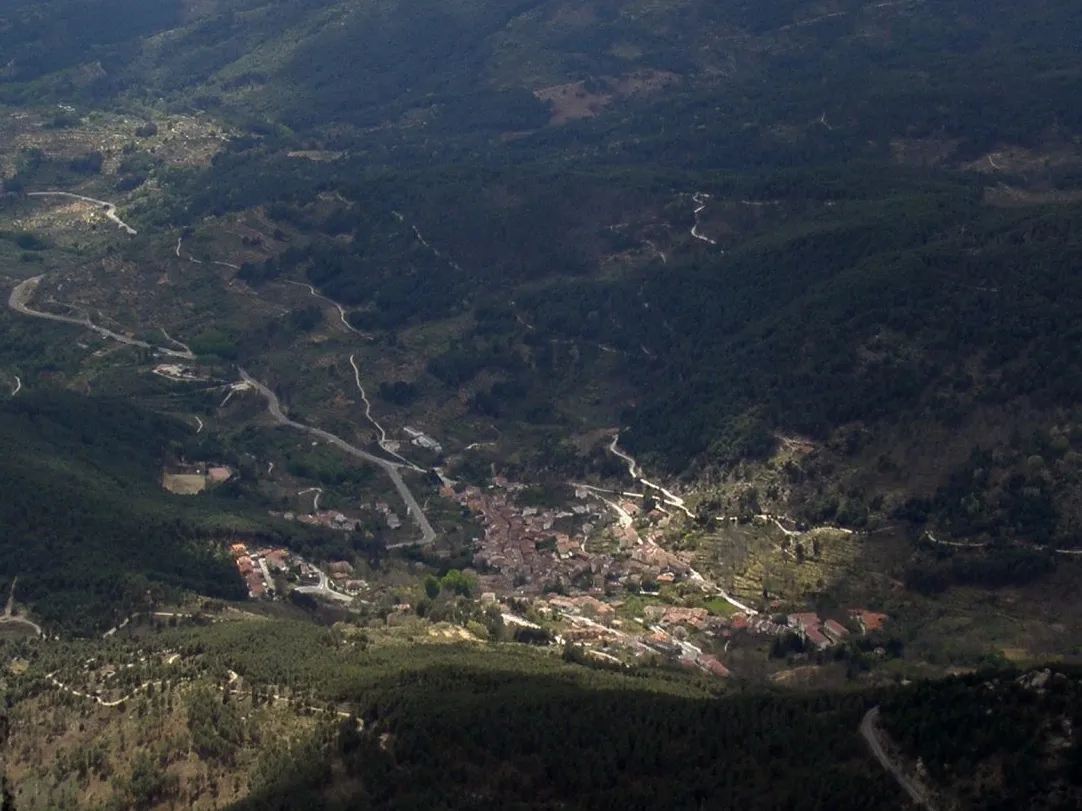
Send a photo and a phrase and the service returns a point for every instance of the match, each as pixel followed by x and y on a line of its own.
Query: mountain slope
pixel 737 221
pixel 87 529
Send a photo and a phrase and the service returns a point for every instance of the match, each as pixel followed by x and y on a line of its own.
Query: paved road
pixel 9 612
pixel 368 415
pixel 315 499
pixel 341 310
pixel 636 473
pixel 870 733
pixel 323 589
pixel 700 200
pixel 22 292
pixel 392 469
pixel 110 208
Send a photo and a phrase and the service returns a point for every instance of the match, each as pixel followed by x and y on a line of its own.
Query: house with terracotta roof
pixel 803 621
pixel 816 637
pixel 255 585
pixel 219 474
pixel 870 621
pixel 276 558
pixel 712 665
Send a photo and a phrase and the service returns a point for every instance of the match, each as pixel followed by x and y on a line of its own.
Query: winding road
pixel 870 733
pixel 672 500
pixel 700 199
pixel 368 415
pixel 8 617
pixel 323 589
pixel 315 499
pixel 110 208
pixel 337 306
pixel 985 544
pixel 428 534
pixel 21 294
pixel 195 261
pixel 18 386
pixel 173 340
pixel 636 473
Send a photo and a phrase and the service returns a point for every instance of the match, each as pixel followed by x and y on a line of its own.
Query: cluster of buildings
pixel 264 567
pixel 259 582
pixel 524 549
pixel 259 567
pixel 663 631
pixel 822 634
pixel 177 372
pixel 583 603
pixel 330 519
pixel 423 440
pixel 756 624
pixel 668 630
pixel 341 572
pixel 815 632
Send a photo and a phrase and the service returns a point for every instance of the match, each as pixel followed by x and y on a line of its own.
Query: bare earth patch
pixel 571 101
pixel 317 155
pixel 184 484
pixel 588 98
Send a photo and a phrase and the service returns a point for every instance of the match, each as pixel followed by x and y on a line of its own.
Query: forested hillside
pixel 726 228
pixel 718 350
pixel 88 530
pixel 252 715
pixel 994 741
pixel 853 223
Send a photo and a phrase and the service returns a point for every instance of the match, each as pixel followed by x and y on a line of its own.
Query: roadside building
pixel 816 638
pixel 870 621
pixel 804 621
pixel 219 474
pixel 277 559
pixel 255 585
pixel 713 666
pixel 835 631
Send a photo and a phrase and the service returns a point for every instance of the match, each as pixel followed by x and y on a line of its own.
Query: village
pixel 270 571
pixel 591 573
pixel 612 589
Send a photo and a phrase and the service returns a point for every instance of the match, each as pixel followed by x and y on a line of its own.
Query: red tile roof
pixel 870 620
pixel 713 665
pixel 816 637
